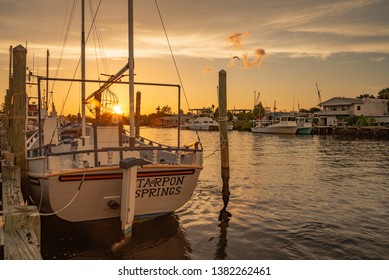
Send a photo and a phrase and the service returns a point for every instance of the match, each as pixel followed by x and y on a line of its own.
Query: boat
pixel 202 123
pixel 282 125
pixel 77 173
pixel 304 126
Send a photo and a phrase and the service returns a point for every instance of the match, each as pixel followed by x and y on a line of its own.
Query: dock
pixel 373 132
pixel 19 223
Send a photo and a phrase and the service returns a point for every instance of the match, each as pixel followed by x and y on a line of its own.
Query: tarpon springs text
pixel 159 186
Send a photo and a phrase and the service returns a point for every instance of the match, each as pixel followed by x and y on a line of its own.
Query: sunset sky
pixel 281 48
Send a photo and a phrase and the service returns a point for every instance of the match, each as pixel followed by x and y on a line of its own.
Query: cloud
pixel 237 38
pixel 259 55
pixel 207 70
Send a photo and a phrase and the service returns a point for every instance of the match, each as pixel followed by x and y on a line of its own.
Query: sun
pixel 117 109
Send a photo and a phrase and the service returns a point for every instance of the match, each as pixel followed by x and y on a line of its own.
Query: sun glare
pixel 117 109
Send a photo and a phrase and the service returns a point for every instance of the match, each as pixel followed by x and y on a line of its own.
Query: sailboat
pixel 80 178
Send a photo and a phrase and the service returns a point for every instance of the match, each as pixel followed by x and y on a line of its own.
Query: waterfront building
pixel 336 110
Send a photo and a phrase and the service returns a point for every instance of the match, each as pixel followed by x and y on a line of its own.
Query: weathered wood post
pixel 223 121
pixel 7 105
pixel 137 113
pixel 21 222
pixel 18 111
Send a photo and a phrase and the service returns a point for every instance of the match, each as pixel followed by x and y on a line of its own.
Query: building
pixel 336 110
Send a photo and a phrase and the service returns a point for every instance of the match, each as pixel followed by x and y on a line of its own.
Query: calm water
pixel 292 197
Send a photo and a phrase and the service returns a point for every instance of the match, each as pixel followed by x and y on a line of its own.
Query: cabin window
pixel 359 108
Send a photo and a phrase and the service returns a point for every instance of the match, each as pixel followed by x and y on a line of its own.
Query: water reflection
pixel 160 238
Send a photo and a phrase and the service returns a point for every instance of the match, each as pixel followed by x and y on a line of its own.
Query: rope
pixel 175 64
pixel 79 61
pixel 71 201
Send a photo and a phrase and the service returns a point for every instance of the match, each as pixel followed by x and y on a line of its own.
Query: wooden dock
pixel 19 223
pixel 373 132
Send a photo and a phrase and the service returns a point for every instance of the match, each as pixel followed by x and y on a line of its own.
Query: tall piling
pixel 223 122
pixel 16 133
pixel 137 113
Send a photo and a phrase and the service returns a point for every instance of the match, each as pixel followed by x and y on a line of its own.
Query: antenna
pixel 318 93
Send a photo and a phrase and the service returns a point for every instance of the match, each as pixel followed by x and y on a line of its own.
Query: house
pixel 336 110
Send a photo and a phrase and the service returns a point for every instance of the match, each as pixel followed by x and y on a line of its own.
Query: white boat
pixel 284 125
pixel 204 123
pixel 304 126
pixel 80 178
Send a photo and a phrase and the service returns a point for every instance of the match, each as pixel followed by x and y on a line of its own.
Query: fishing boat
pixel 81 177
pixel 283 125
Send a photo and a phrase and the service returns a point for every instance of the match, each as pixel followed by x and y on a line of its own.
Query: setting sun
pixel 117 109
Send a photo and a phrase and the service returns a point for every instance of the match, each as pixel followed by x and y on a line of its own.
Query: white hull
pixel 205 127
pixel 205 124
pixel 285 125
pixel 160 189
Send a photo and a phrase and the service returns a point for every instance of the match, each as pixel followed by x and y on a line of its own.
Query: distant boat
pixel 204 123
pixel 285 125
pixel 304 126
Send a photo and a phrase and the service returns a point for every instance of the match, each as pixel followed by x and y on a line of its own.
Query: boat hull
pixel 75 196
pixel 304 130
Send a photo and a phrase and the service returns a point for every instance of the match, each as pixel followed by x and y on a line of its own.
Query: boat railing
pixel 46 150
pixel 32 139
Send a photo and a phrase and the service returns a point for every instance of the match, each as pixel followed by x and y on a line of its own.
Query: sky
pixel 280 49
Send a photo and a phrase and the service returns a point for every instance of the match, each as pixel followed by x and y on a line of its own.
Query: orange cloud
pixel 237 38
pixel 207 70
pixel 259 55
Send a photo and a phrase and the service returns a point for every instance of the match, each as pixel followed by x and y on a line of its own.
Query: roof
pixel 335 101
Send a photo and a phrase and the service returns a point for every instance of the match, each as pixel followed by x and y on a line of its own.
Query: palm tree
pixel 383 94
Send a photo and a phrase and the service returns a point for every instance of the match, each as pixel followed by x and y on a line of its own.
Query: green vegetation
pixel 360 120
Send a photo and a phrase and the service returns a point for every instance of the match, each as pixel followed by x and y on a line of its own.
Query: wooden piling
pixel 137 113
pixel 21 223
pixel 223 121
pixel 16 132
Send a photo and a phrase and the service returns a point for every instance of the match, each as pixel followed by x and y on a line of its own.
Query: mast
pixel 131 70
pixel 83 120
pixel 47 81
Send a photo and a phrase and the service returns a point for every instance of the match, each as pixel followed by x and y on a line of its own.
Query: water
pixel 292 197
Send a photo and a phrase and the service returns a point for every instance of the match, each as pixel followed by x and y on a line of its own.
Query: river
pixel 292 197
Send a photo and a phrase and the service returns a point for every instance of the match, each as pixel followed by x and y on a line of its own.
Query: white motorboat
pixel 284 125
pixel 202 123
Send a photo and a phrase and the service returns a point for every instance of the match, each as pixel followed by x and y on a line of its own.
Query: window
pixel 358 108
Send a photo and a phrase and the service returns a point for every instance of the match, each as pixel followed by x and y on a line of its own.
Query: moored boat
pixel 304 126
pixel 78 174
pixel 284 125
